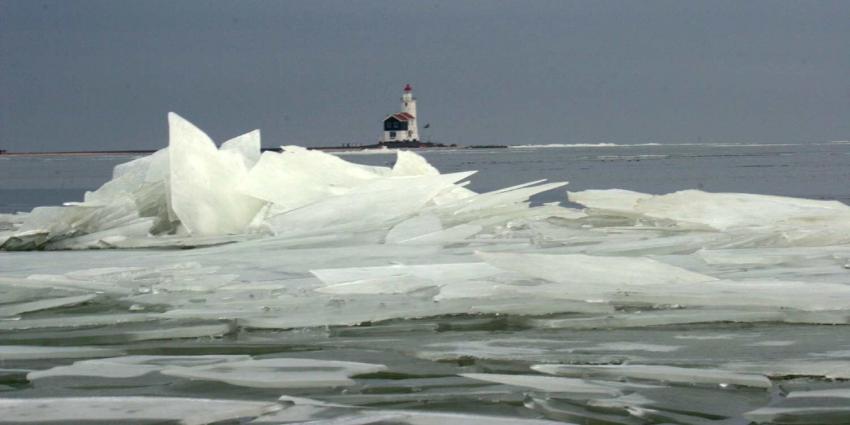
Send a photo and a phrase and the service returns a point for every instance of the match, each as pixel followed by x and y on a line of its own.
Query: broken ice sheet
pixel 492 200
pixel 490 394
pixel 640 279
pixel 577 414
pixel 131 366
pixel 660 318
pixel 68 322
pixel 290 179
pixel 30 352
pixel 188 411
pixel 805 296
pixel 278 372
pixel 434 272
pixel 107 329
pixel 630 346
pixel 754 257
pixel 697 403
pixel 502 349
pixel 721 211
pixel 822 415
pixel 115 237
pixel 299 409
pixel 399 278
pixel 412 417
pixel 584 272
pixel 204 180
pixel 413 227
pixel 654 404
pixel 552 384
pixel 452 235
pixel 382 285
pixel 678 375
pixel 428 229
pixel 163 277
pixel 410 164
pixel 828 393
pixel 7 310
pixel 829 369
pixel 303 410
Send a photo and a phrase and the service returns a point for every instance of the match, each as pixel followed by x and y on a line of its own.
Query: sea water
pixel 513 366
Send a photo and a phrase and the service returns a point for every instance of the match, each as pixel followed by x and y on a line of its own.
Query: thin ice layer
pixel 585 271
pixel 549 384
pixel 298 409
pixel 131 366
pixel 720 211
pixel 278 372
pixel 829 369
pixel 658 373
pixel 19 352
pixel 7 310
pixel 188 411
pixel 821 415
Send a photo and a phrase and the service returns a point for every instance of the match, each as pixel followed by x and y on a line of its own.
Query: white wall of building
pixel 408 104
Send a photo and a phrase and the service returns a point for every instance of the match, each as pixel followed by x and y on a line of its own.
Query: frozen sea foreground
pixel 207 284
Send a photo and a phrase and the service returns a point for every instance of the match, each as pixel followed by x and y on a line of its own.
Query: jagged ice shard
pixel 395 287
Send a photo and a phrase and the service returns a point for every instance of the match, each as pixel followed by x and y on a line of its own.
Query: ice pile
pixel 193 193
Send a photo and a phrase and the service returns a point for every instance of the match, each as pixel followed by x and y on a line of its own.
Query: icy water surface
pixel 809 170
pixel 620 314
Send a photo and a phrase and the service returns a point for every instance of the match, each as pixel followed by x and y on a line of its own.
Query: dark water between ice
pixel 426 355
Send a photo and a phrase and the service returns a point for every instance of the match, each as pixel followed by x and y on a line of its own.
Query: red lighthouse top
pixel 407 88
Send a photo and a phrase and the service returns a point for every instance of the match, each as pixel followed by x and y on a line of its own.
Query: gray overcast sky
pixel 103 74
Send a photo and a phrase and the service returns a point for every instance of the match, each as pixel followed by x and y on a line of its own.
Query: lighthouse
pixel 402 126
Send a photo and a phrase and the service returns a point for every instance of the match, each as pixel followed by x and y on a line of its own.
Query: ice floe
pixel 658 373
pixel 30 352
pixel 830 369
pixel 278 372
pixel 239 370
pixel 550 384
pixel 303 410
pixel 188 411
pixel 824 415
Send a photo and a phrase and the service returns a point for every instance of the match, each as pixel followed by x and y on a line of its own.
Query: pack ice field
pixel 217 284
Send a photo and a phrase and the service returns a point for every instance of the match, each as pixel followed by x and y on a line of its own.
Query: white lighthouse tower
pixel 408 105
pixel 402 126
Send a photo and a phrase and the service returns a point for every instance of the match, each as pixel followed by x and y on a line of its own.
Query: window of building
pixel 392 135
